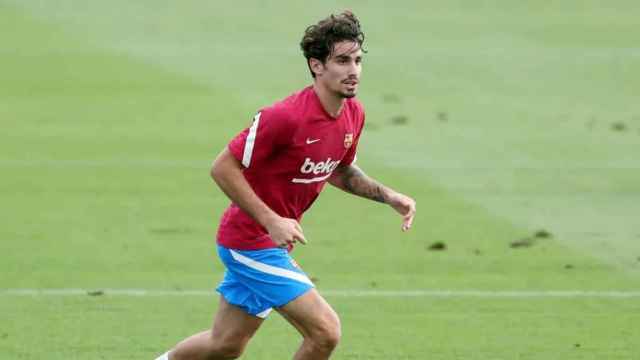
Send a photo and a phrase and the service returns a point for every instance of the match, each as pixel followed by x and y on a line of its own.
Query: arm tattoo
pixel 358 183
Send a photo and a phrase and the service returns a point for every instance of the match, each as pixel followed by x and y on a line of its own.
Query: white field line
pixel 522 294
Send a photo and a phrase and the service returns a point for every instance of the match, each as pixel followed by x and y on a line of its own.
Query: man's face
pixel 340 73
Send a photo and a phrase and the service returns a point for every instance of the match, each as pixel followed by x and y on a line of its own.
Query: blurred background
pixel 515 125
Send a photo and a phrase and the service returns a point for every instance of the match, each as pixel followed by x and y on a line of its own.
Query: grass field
pixel 501 118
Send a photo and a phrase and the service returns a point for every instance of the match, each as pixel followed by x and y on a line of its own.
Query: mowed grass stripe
pixel 198 163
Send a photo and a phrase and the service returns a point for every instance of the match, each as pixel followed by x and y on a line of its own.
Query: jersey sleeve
pixel 268 133
pixel 351 156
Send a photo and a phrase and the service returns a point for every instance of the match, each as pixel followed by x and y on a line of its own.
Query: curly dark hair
pixel 318 39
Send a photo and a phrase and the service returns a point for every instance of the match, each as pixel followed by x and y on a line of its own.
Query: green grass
pixel 126 327
pixel 111 114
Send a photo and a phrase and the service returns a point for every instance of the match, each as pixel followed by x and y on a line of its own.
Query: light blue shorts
pixel 259 280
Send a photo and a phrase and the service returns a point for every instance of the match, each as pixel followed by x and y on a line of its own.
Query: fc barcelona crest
pixel 348 140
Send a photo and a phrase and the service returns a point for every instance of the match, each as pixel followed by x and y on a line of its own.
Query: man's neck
pixel 331 103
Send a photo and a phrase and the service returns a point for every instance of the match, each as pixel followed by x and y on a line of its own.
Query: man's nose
pixel 354 69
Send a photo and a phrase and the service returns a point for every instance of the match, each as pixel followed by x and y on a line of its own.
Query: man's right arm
pixel 227 173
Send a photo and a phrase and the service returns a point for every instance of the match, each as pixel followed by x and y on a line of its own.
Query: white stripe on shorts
pixel 251 138
pixel 270 269
pixel 264 314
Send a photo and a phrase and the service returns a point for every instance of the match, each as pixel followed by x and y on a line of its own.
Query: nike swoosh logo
pixel 309 141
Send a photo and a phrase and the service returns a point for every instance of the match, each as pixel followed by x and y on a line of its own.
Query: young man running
pixel 272 172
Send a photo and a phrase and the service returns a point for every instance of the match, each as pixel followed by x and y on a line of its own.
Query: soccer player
pixel 272 172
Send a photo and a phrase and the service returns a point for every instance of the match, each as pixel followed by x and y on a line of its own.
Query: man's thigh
pixel 310 313
pixel 232 323
pixel 232 329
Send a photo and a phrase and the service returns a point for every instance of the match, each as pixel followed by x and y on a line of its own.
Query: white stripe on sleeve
pixel 251 138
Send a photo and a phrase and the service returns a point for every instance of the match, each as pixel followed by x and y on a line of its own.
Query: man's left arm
pixel 353 180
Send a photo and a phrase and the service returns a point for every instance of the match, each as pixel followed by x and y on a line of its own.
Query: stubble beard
pixel 343 94
pixel 346 94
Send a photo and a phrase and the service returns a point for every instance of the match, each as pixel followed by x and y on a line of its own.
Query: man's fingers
pixel 300 238
pixel 406 224
pixel 408 218
pixel 297 234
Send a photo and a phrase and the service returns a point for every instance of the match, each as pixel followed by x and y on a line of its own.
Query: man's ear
pixel 316 66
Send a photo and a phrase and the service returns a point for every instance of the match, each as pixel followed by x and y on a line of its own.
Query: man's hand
pixel 285 232
pixel 405 206
pixel 227 173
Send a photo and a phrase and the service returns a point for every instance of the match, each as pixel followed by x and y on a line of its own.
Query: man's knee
pixel 326 335
pixel 226 348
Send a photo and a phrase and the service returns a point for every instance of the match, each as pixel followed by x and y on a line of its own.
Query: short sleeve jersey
pixel 288 153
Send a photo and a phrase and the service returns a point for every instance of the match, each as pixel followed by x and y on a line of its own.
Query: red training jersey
pixel 288 153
